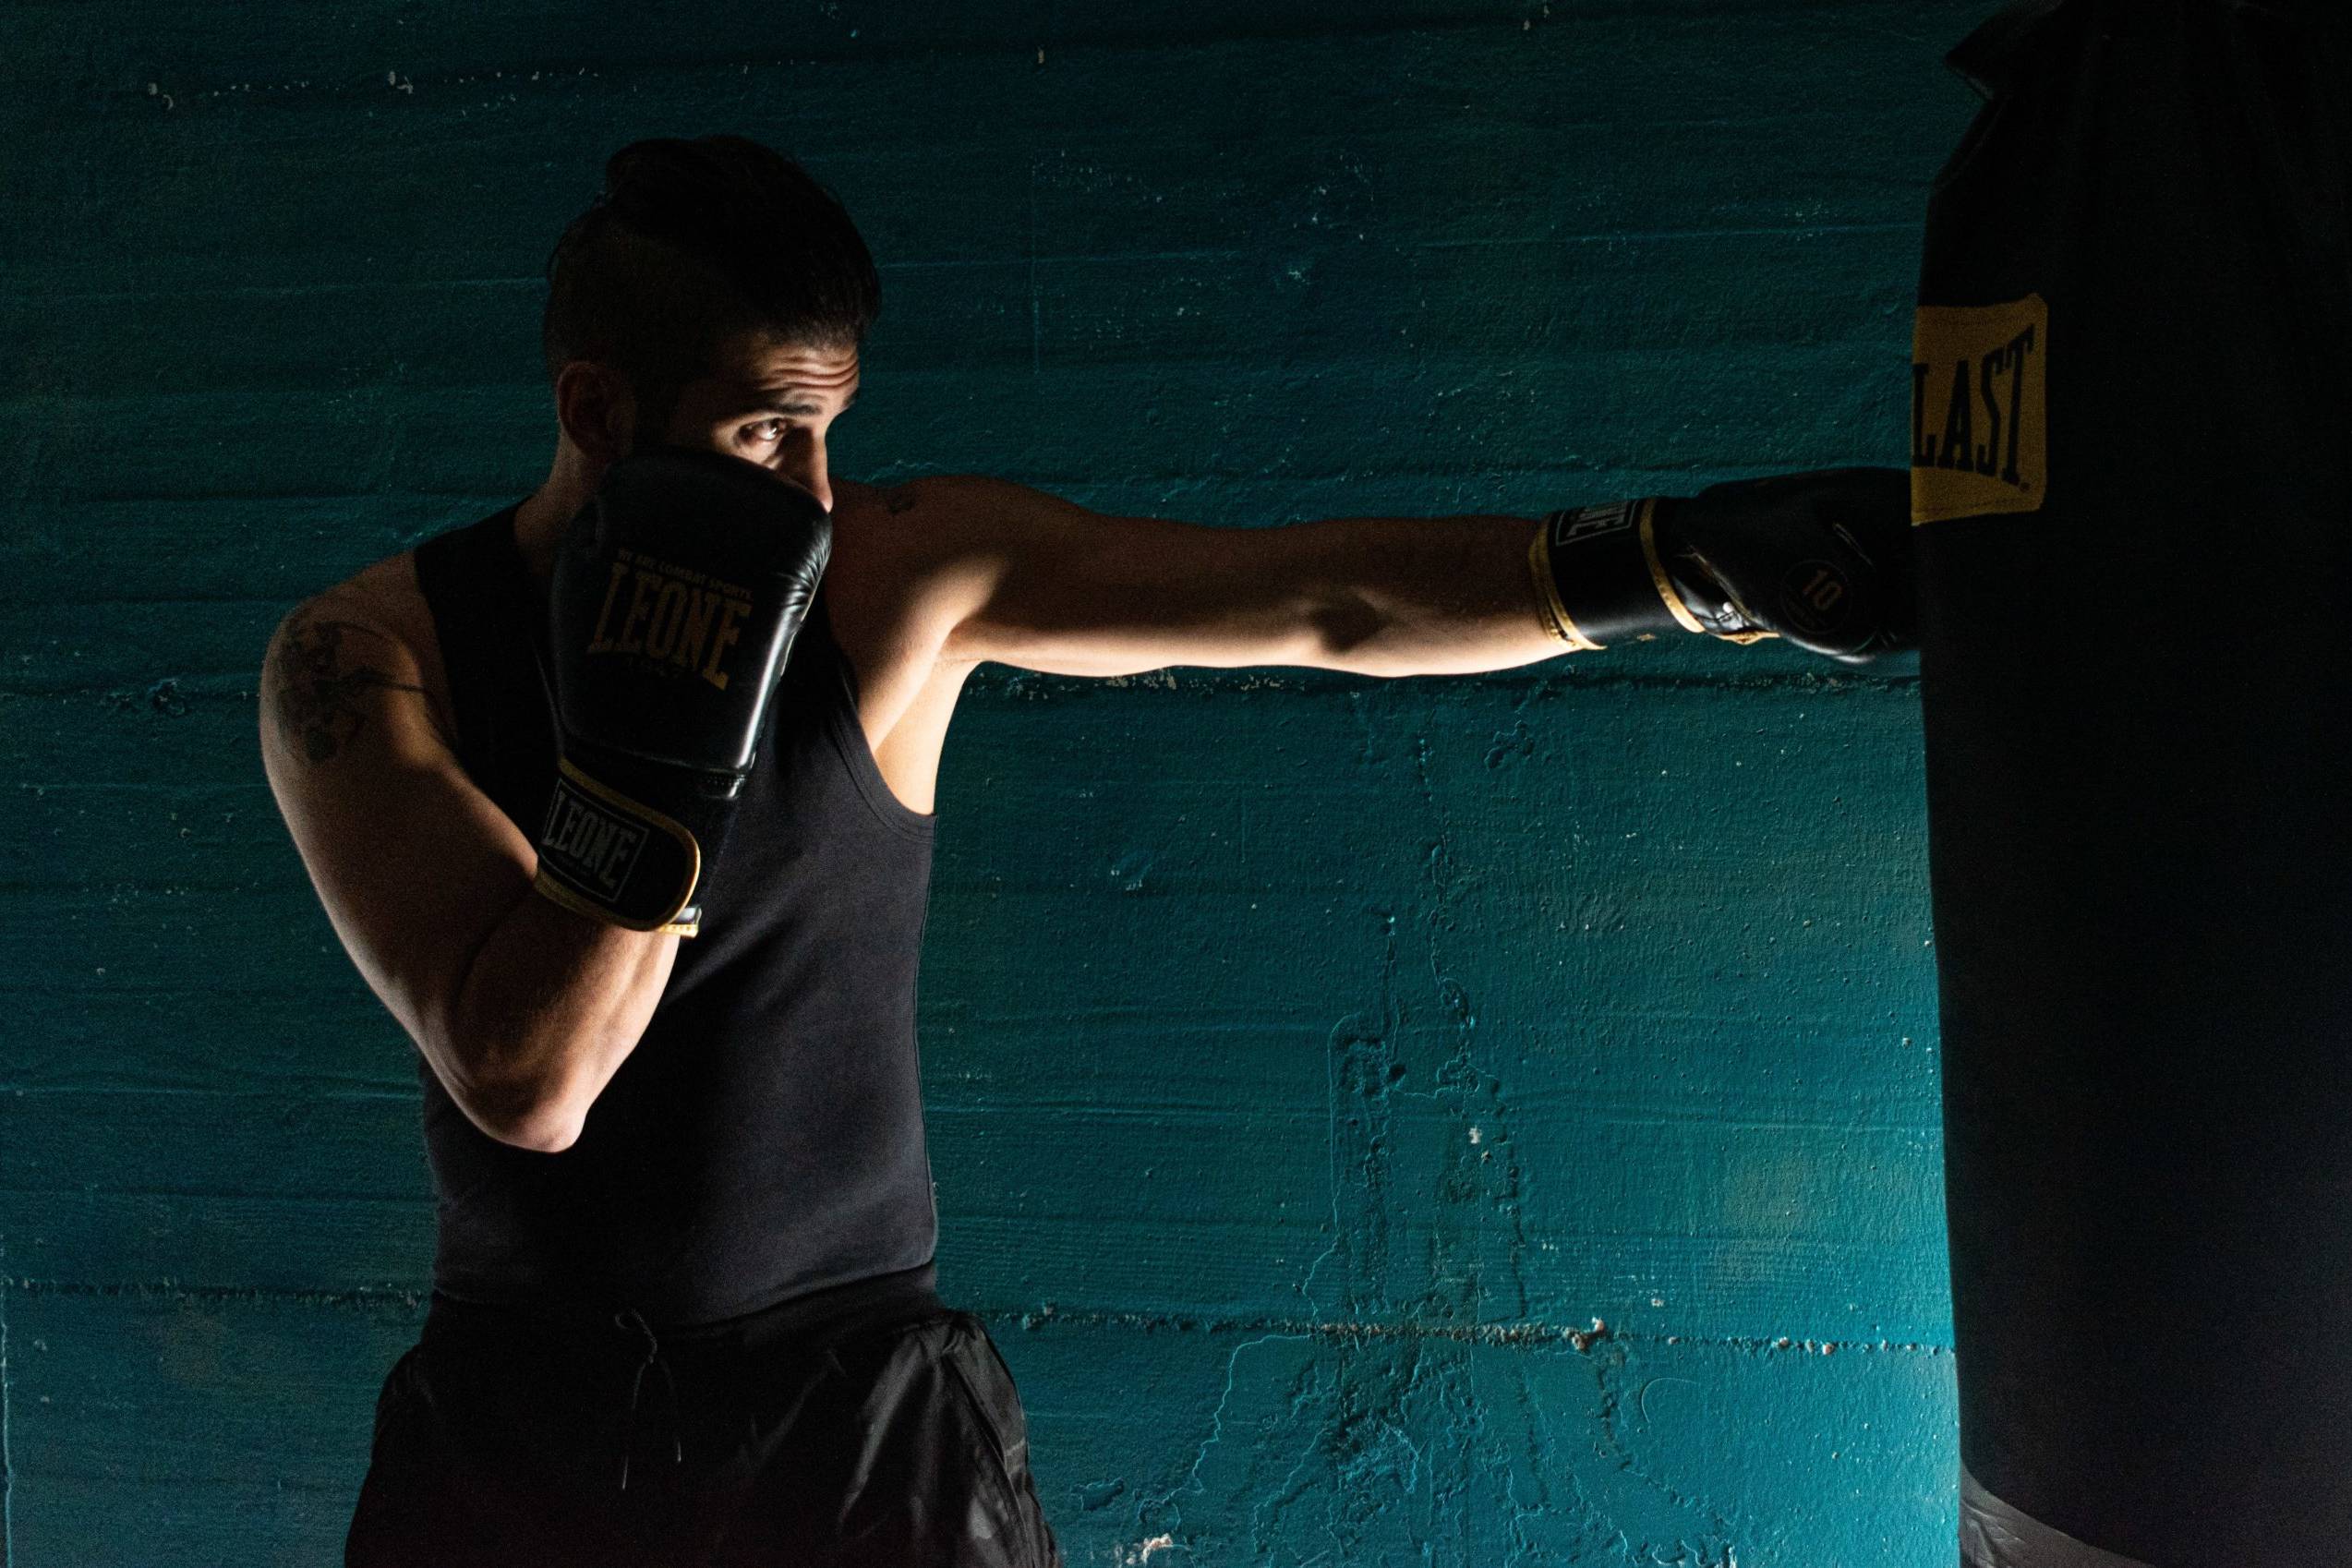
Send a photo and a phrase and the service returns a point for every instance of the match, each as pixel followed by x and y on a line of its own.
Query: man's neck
pixel 540 520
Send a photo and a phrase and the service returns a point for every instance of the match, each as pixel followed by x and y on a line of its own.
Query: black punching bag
pixel 2132 455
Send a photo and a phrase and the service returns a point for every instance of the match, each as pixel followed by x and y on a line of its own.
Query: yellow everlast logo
pixel 670 614
pixel 1979 419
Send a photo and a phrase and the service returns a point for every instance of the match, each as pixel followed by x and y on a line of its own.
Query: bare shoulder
pixel 899 581
pixel 917 520
pixel 947 509
pixel 892 546
pixel 334 652
pixel 907 544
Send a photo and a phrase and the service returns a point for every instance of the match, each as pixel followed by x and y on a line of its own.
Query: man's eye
pixel 766 430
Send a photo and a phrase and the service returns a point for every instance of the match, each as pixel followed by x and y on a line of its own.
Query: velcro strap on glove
pixel 1591 561
pixel 615 859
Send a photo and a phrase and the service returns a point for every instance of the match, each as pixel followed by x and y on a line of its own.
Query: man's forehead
pixel 770 367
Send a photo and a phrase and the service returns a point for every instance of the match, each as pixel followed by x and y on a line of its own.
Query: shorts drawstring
pixel 631 1318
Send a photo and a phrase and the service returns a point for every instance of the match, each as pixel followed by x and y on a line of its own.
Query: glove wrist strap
pixel 1603 578
pixel 625 845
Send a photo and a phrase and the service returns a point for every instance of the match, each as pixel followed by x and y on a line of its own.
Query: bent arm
pixel 524 1010
pixel 1030 580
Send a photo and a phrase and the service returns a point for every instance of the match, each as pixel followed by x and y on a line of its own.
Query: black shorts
pixel 873 1426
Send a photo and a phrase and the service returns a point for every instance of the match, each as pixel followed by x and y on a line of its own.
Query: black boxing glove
pixel 1822 560
pixel 675 599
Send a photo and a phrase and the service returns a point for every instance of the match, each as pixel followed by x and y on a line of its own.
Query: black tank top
pixel 765 1139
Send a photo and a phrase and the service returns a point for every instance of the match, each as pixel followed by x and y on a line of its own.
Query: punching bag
pixel 2131 459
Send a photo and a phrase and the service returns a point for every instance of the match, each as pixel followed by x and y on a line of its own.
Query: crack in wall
pixel 1481 1108
pixel 1715 1550
pixel 1192 1483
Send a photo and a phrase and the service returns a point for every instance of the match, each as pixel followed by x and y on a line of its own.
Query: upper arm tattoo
pixel 315 683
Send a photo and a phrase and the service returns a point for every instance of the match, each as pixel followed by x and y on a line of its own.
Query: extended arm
pixel 1007 573
pixel 1027 579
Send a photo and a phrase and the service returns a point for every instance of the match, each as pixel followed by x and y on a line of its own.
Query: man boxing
pixel 619 798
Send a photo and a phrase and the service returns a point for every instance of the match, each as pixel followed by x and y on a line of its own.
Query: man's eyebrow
pixel 788 400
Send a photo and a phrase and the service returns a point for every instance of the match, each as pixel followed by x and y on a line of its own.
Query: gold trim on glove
pixel 1556 618
pixel 1658 574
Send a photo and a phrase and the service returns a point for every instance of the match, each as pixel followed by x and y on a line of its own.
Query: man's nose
pixel 805 466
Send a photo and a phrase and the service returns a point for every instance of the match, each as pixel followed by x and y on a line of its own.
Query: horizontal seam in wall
pixel 1523 1336
pixel 1502 20
pixel 1010 263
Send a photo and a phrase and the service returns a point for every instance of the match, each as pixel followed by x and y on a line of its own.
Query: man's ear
pixel 598 410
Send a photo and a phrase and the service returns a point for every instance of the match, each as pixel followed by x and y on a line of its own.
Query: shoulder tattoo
pixel 317 683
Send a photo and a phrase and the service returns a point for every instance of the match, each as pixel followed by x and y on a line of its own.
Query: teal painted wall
pixel 1484 1121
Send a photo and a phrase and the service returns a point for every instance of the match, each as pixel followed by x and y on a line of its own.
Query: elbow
pixel 1344 628
pixel 1362 634
pixel 549 1131
pixel 508 1084
pixel 509 1094
pixel 521 1118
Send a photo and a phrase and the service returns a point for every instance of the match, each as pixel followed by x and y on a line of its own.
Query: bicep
pixel 414 864
pixel 1045 585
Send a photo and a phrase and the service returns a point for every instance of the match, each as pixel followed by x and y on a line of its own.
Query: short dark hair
pixel 692 242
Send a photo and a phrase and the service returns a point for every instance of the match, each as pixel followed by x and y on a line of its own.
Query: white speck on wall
pixel 1144 1551
pixel 1475 1135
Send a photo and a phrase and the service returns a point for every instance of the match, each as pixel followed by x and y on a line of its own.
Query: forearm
pixel 1821 558
pixel 552 1006
pixel 1393 597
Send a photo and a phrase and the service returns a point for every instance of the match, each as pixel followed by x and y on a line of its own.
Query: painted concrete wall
pixel 1483 1121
